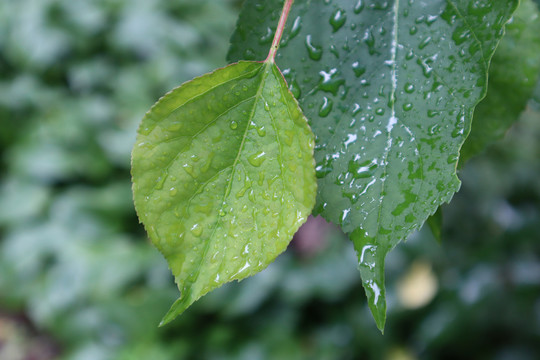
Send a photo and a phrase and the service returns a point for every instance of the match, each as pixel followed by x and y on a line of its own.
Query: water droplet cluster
pixel 389 89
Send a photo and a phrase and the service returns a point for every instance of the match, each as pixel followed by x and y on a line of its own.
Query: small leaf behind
pixel 223 176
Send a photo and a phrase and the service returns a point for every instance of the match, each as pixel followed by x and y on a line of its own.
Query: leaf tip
pixel 179 306
pixel 379 314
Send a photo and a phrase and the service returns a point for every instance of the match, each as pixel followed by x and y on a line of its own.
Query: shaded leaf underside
pixel 223 176
pixel 389 88
pixel 512 81
pixel 513 74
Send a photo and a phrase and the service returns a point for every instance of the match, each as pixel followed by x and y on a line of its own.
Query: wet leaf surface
pixel 389 88
pixel 223 176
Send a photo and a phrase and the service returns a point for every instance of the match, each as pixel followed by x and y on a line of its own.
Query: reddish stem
pixel 279 31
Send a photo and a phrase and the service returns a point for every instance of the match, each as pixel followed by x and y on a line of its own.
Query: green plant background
pixel 79 280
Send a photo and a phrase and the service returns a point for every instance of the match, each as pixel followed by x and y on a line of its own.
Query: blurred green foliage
pixel 76 78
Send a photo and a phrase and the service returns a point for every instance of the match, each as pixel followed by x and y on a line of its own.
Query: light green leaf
pixel 223 176
pixel 512 78
pixel 389 88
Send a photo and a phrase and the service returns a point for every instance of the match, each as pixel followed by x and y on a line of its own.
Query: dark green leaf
pixel 223 176
pixel 512 77
pixel 435 223
pixel 389 88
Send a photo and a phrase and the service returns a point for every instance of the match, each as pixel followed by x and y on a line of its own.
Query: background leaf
pixel 223 176
pixel 389 89
pixel 435 223
pixel 511 80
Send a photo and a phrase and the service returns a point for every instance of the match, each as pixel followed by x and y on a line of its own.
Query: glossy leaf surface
pixel 223 176
pixel 511 80
pixel 389 88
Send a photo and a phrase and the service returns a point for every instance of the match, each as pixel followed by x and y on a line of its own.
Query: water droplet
pixel 261 131
pixel 233 125
pixel 424 42
pixel 189 169
pixel 432 113
pixel 452 159
pixel 266 106
pixel 326 107
pixel 409 55
pixel 358 70
pixel 409 88
pixel 435 129
pixel 294 88
pixel 249 54
pixel 314 52
pixel 257 159
pixel 289 137
pixel 379 111
pixel 295 29
pixel 330 81
pixel 173 191
pixel 407 106
pixel 325 168
pixel 196 230
pixel 267 37
pixel 337 20
pixel 359 7
pixel 362 170
pixel 334 51
pixel 369 39
pixel 160 181
pixel 413 30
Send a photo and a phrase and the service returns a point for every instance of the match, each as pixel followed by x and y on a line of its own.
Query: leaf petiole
pixel 279 31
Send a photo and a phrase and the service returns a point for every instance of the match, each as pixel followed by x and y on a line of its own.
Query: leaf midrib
pixel 229 185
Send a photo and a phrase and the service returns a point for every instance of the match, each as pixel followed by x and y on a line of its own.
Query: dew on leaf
pixel 326 107
pixel 330 81
pixel 337 19
pixel 294 88
pixel 424 42
pixel 432 113
pixel 409 88
pixel 257 159
pixel 267 37
pixel 196 230
pixel 369 40
pixel 296 27
pixel 358 69
pixel 160 181
pixel 261 131
pixel 407 106
pixel 359 6
pixel 314 51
